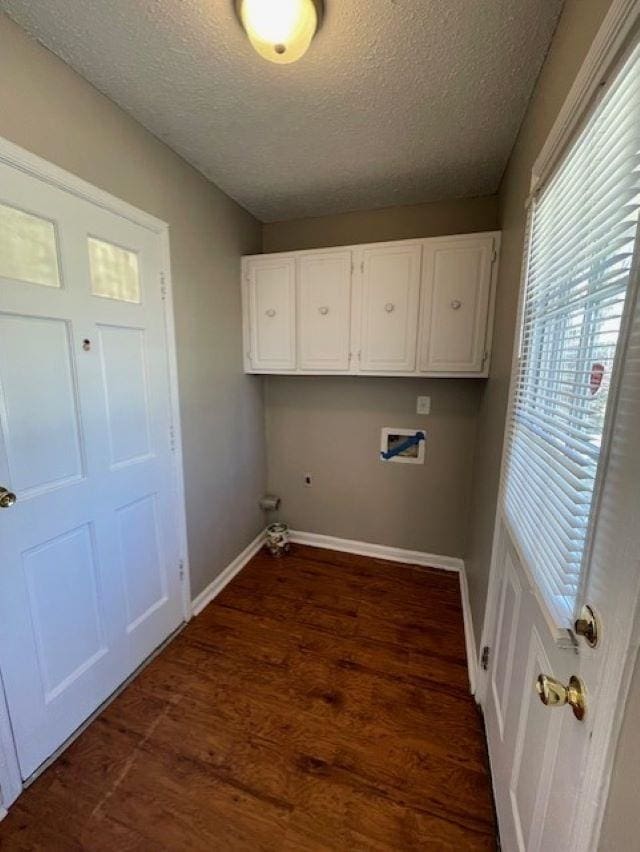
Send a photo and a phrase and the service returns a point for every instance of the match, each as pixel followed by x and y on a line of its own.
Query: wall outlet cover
pixel 423 405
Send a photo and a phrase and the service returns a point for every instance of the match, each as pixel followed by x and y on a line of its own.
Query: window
pixel 114 271
pixel 28 248
pixel 582 234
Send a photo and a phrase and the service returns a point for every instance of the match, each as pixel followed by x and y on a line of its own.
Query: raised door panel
pixel 140 547
pixel 39 418
pixel 536 746
pixel 124 376
pixel 90 584
pixel 272 313
pixel 64 608
pixel 390 296
pixel 324 310
pixel 505 639
pixel 457 289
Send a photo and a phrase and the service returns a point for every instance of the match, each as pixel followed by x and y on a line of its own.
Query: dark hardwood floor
pixel 320 702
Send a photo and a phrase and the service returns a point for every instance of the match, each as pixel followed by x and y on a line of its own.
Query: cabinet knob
pixel 389 307
pixel 270 312
pixel 456 304
pixel 324 310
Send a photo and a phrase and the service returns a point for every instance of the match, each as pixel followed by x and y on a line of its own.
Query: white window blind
pixel 581 240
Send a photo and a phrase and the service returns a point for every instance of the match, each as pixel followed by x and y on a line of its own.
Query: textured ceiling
pixel 396 102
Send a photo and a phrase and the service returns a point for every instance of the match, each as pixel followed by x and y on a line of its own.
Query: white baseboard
pixel 469 635
pixel 378 551
pixel 410 557
pixel 218 583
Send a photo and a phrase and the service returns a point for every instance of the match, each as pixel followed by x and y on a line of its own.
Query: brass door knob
pixel 553 693
pixel 587 626
pixel 7 498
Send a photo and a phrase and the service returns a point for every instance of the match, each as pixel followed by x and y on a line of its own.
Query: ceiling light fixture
pixel 280 30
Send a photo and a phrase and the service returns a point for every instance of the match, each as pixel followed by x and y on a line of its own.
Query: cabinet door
pixel 390 295
pixel 271 292
pixel 457 289
pixel 324 310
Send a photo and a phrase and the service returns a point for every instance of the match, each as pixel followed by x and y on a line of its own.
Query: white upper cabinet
pixel 390 296
pixel 420 307
pixel 324 311
pixel 271 297
pixel 455 305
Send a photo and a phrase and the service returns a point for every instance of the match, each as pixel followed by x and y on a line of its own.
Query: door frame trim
pixel 621 21
pixel 18 158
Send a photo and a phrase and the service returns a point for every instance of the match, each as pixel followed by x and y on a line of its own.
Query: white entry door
pixel 89 566
pixel 568 529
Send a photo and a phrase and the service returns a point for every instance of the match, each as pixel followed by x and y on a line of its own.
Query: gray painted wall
pixel 50 110
pixel 441 218
pixel 330 426
pixel 577 27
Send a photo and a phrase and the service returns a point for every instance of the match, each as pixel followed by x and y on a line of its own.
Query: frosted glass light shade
pixel 280 30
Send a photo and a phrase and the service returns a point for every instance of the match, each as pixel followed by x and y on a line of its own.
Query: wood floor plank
pixel 319 703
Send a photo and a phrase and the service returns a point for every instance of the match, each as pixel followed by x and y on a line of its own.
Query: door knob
pixel 7 498
pixel 587 626
pixel 553 693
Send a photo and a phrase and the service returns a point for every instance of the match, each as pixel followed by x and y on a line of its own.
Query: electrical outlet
pixel 307 480
pixel 423 405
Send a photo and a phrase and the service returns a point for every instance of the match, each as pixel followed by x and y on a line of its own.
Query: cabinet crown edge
pixel 497 234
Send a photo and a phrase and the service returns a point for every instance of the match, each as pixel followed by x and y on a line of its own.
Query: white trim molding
pixel 227 574
pixel 378 551
pixel 618 24
pixel 31 164
pixel 469 635
pixel 406 557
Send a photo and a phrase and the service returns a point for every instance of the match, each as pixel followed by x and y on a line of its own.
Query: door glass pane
pixel 114 271
pixel 28 248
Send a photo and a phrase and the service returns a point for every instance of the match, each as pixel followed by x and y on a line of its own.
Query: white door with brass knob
pixel 89 555
pixel 565 578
